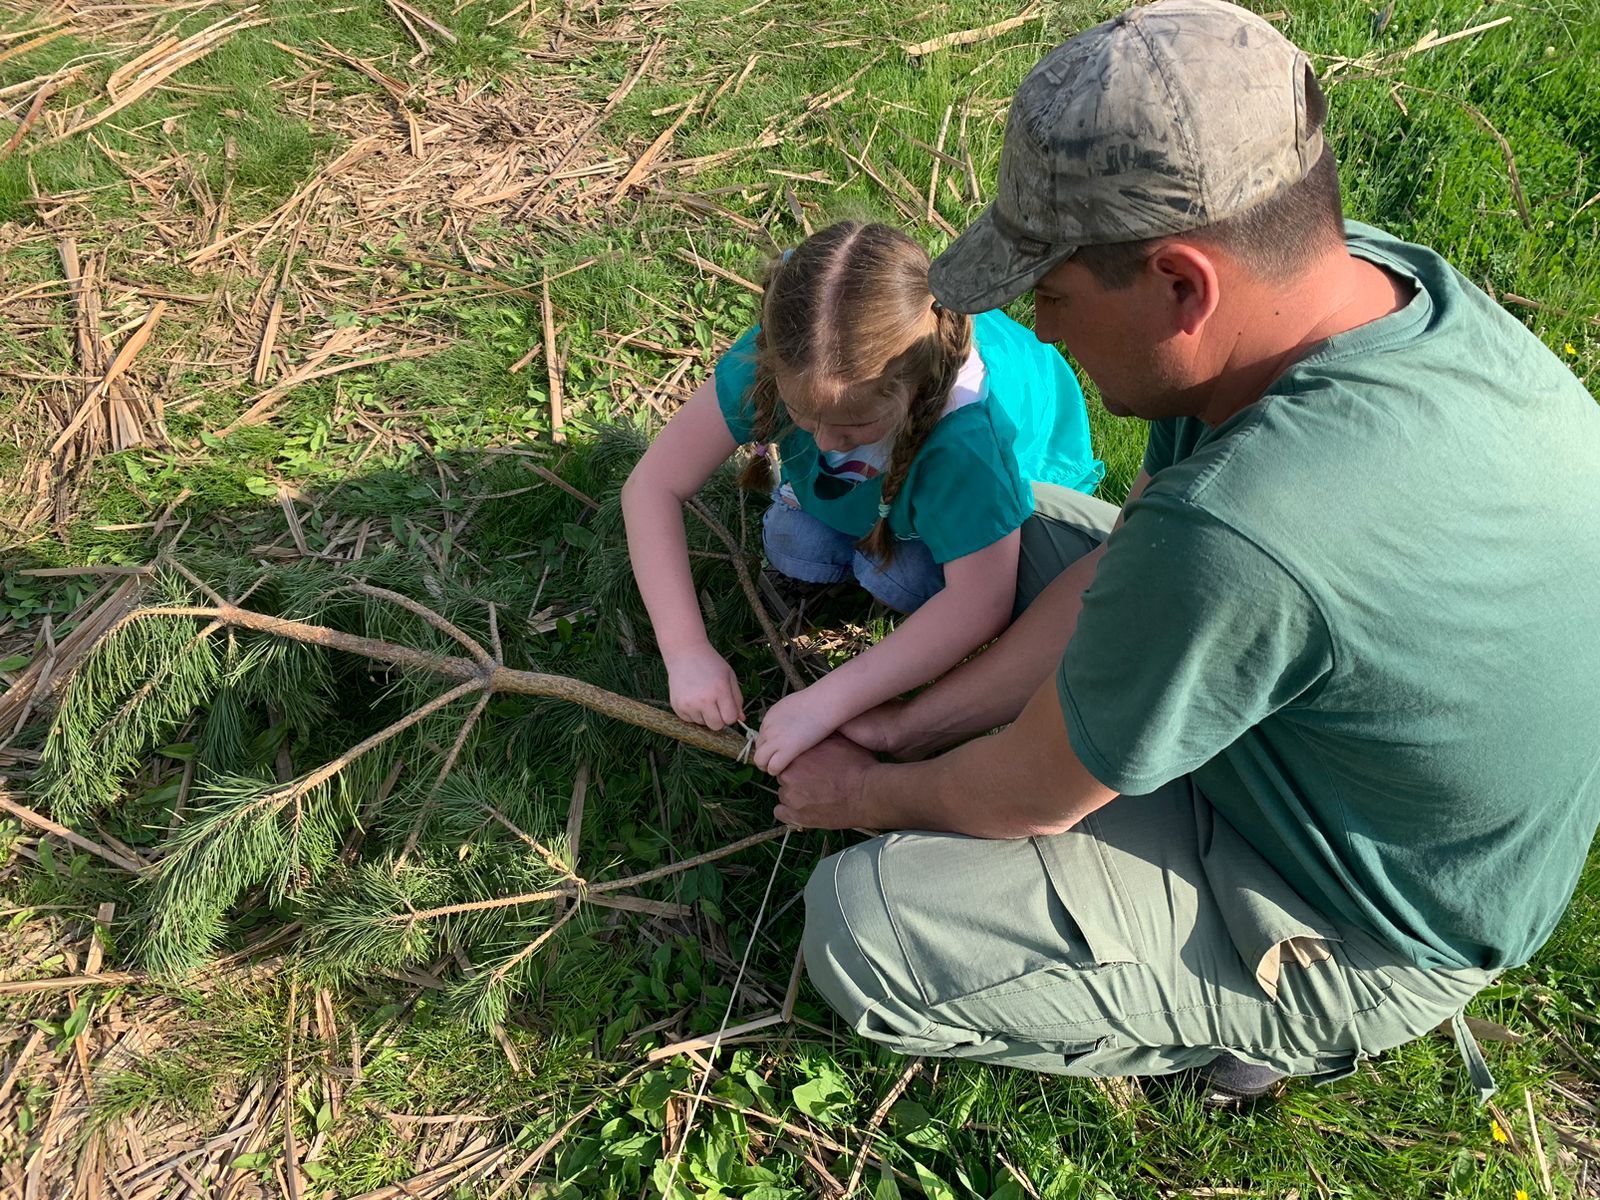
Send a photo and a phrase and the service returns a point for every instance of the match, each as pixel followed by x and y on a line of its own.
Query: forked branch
pixel 495 678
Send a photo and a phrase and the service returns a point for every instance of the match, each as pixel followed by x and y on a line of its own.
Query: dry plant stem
pixel 968 37
pixel 497 679
pixel 744 569
pixel 29 987
pixel 550 1143
pixel 567 891
pixel 427 614
pixel 878 1114
pixel 39 821
pixel 1538 1145
pixel 1515 180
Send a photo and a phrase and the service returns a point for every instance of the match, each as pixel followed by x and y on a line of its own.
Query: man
pixel 1303 753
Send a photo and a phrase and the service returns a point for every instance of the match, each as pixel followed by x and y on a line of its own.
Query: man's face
pixel 1121 337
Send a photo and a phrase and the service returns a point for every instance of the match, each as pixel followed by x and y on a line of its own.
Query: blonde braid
pixel 951 343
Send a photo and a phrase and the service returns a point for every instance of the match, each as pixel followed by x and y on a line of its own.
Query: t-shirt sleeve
pixel 966 492
pixel 1189 635
pixel 735 374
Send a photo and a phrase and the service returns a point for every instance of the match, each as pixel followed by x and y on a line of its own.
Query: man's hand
pixel 791 727
pixel 704 688
pixel 823 788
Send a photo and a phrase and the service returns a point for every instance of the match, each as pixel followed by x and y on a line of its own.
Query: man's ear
pixel 1188 282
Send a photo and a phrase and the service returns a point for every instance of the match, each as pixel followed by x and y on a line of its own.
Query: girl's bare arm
pixel 680 460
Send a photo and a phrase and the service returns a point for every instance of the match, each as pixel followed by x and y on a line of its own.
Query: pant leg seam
pixel 883 987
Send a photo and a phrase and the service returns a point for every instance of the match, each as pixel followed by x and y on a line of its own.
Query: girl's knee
pixel 906 582
pixel 802 547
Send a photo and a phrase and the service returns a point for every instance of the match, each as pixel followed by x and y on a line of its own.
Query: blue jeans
pixel 806 549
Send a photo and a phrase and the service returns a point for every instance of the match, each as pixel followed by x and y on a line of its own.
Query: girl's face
pixel 859 417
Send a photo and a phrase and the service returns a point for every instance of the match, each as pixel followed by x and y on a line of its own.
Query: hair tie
pixel 937 307
pixel 883 511
pixel 759 450
pixel 786 255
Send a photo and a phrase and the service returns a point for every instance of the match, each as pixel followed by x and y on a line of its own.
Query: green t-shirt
pixel 969 485
pixel 1364 613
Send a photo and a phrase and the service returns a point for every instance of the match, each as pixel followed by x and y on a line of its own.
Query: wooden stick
pixel 1515 179
pixel 552 364
pixel 616 98
pixel 656 147
pixel 967 37
pixel 1538 1145
pixel 612 885
pixel 705 1042
pixel 119 364
pixel 690 257
pixel 1432 41
pixel 938 157
pixel 269 340
pixel 497 679
pixel 63 983
pixel 44 93
pixel 744 568
pixel 193 49
pixel 418 15
pixel 264 403
pixel 894 1093
pixel 40 821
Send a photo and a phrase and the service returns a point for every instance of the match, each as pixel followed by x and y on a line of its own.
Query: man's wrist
pixel 880 801
pixel 919 726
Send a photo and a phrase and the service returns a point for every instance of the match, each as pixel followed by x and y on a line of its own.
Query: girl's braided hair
pixel 847 300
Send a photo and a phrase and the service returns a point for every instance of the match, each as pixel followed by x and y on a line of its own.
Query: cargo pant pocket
pixel 978 917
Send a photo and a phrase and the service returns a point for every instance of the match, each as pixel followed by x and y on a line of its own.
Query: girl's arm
pixel 972 608
pixel 680 460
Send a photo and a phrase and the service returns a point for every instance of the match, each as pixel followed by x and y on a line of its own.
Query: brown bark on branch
pixel 499 679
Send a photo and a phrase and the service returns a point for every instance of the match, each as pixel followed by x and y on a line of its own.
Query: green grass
pixel 1415 160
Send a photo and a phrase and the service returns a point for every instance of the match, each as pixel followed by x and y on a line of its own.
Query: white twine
pixel 749 743
pixel 733 996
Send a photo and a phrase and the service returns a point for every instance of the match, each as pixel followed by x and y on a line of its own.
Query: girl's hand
pixel 791 727
pixel 704 689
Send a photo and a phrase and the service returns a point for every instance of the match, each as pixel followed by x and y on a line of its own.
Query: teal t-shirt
pixel 970 484
pixel 1364 614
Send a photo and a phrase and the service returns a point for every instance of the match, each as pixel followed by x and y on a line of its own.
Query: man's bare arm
pixel 1021 782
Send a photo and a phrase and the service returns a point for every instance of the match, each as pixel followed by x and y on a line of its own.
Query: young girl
pixel 907 436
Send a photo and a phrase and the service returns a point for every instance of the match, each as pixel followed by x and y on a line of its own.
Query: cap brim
pixel 983 268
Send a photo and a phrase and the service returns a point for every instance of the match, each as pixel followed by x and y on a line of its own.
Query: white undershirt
pixel 866 462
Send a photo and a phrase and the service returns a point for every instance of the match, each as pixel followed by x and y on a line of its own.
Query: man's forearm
pixel 991 689
pixel 1021 782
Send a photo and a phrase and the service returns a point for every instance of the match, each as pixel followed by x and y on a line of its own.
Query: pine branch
pixel 498 679
pixel 576 891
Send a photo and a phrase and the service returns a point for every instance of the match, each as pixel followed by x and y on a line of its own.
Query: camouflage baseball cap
pixel 1164 118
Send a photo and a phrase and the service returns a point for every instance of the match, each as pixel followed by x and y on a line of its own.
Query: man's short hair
pixel 1275 239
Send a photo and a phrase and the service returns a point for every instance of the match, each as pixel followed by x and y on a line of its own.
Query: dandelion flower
pixel 1522 1194
pixel 1572 350
pixel 1496 1132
